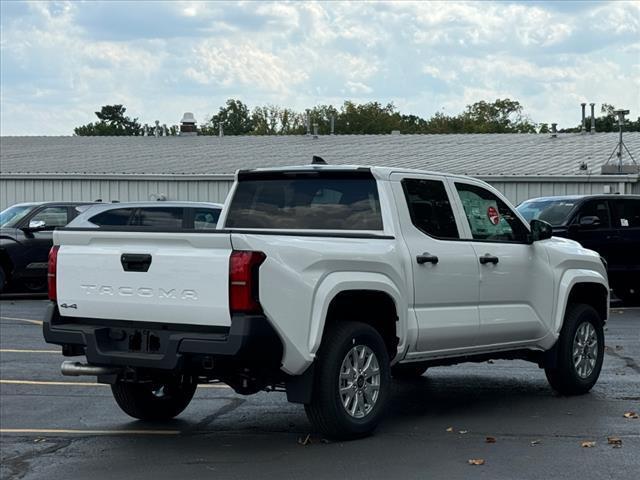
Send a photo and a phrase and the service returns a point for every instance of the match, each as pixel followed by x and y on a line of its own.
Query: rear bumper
pixel 250 338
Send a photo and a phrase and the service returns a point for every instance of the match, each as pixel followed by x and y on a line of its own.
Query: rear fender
pixel 337 282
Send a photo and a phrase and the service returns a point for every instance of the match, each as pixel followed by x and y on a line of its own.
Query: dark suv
pixel 26 235
pixel 608 224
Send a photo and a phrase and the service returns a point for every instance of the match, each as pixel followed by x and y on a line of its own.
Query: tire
pixel 408 371
pixel 3 279
pixel 581 321
pixel 35 286
pixel 326 412
pixel 154 401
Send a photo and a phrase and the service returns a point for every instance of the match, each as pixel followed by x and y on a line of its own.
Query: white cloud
pixel 60 61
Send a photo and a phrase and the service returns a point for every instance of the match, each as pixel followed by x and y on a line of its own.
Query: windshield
pixel 12 215
pixel 554 212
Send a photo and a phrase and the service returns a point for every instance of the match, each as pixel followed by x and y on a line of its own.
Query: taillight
pixel 52 271
pixel 243 281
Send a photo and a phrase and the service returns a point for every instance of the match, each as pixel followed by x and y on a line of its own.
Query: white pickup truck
pixel 324 282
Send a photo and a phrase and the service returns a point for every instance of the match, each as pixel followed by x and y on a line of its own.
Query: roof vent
pixel 315 160
pixel 593 118
pixel 395 132
pixel 554 130
pixel 582 127
pixel 188 125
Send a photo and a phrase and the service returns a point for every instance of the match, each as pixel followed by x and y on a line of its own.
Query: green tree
pixel 112 121
pixel 234 117
pixel 367 118
pixel 501 116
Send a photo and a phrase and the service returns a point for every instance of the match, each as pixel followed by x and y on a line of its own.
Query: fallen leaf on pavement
pixel 476 461
pixel 588 444
pixel 615 441
pixel 304 441
pixel 462 432
pixel 535 442
pixel 490 440
pixel 450 429
pixel 618 347
pixel 633 415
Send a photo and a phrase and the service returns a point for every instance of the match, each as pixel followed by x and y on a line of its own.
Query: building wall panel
pixel 14 191
pixel 520 191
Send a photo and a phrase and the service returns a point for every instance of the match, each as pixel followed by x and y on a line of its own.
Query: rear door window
pixel 430 208
pixel 113 218
pixel 627 213
pixel 163 218
pixel 205 218
pixel 309 201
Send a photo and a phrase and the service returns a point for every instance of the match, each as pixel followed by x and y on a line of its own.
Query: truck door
pixel 597 233
pixel 516 281
pixel 38 239
pixel 444 267
pixel 626 261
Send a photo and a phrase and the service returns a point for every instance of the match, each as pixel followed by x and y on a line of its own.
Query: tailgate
pixel 178 278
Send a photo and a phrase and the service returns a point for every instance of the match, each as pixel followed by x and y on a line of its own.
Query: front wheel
pixel 351 382
pixel 154 400
pixel 580 351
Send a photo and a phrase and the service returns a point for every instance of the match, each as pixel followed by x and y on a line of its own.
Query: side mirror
pixel 590 221
pixel 540 230
pixel 35 225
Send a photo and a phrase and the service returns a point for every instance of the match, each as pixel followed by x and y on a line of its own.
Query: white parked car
pixel 325 282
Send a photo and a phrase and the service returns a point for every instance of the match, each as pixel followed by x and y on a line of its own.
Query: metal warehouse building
pixel 201 167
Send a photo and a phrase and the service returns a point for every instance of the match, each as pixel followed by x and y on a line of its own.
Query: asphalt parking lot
pixel 60 427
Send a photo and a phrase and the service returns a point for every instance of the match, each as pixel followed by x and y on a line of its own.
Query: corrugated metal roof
pixel 470 154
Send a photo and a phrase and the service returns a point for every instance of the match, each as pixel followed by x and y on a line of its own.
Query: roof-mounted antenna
pixel 318 160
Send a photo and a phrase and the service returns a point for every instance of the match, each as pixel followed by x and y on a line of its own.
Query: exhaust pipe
pixel 76 369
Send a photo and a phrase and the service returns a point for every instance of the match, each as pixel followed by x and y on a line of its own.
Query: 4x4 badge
pixel 64 305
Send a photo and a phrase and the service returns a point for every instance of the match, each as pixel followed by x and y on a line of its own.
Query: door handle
pixel 486 258
pixel 135 262
pixel 426 258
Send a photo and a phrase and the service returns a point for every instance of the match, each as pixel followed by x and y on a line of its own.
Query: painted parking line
pixel 26 320
pixel 61 431
pixel 52 383
pixel 19 350
pixel 85 384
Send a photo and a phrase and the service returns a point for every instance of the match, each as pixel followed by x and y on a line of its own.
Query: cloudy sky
pixel 62 60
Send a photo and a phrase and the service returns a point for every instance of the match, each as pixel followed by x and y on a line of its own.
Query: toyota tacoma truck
pixel 325 282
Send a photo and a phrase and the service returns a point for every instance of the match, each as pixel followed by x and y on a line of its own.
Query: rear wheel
pixel 407 371
pixel 351 382
pixel 154 400
pixel 3 279
pixel 580 351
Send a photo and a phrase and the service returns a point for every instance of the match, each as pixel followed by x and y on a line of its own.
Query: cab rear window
pixel 307 201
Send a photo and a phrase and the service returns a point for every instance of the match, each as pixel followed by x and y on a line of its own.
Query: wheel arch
pixel 582 286
pixel 372 299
